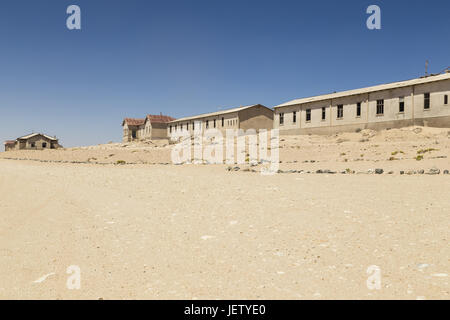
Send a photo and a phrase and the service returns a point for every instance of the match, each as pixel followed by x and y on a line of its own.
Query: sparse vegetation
pixel 120 162
pixel 423 151
pixel 397 152
pixel 419 157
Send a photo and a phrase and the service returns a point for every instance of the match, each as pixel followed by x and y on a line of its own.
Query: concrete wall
pixel 230 121
pixel 414 112
pixel 158 131
pixel 257 117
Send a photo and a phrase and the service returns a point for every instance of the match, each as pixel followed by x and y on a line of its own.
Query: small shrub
pixel 423 151
pixel 419 157
pixel 120 162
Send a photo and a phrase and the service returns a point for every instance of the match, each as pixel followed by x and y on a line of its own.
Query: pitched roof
pixel 133 121
pixel 9 142
pixel 159 118
pixel 388 86
pixel 36 134
pixel 204 115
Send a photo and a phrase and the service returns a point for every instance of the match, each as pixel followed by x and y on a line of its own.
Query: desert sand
pixel 152 230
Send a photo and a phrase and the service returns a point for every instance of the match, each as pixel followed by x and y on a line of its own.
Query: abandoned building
pixel 151 127
pixel 249 117
pixel 34 141
pixel 423 101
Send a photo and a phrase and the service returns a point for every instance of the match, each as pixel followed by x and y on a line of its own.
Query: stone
pixel 434 171
pixel 446 172
pixel 379 171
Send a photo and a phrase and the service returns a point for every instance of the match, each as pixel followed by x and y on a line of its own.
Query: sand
pixel 153 231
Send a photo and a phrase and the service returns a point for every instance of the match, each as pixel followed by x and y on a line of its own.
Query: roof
pixel 133 121
pixel 388 86
pixel 9 142
pixel 36 134
pixel 205 115
pixel 159 118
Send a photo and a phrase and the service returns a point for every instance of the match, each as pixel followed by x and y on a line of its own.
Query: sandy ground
pixel 144 231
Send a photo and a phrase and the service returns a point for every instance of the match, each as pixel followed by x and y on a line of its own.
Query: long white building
pixel 423 101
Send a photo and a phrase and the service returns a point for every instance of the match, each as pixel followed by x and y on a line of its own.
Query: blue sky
pixel 186 57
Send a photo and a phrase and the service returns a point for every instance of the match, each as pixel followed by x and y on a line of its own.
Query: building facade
pixel 249 117
pixel 149 128
pixel 423 101
pixel 35 141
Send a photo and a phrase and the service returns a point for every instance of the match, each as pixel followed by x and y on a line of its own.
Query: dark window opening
pixel 446 99
pixel 380 107
pixel 358 109
pixel 340 111
pixel 324 113
pixel 308 115
pixel 44 144
pixel 214 123
pixel 281 118
pixel 33 145
pixel 401 105
pixel 294 117
pixel 207 124
pixel 133 134
pixel 223 121
pixel 426 102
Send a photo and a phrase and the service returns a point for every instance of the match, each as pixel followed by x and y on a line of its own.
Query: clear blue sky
pixel 186 57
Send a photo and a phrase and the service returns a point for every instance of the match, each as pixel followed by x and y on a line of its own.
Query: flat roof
pixel 212 114
pixel 381 87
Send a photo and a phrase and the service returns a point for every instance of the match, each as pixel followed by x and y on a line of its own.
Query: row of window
pixel 186 126
pixel 380 109
pixel 33 145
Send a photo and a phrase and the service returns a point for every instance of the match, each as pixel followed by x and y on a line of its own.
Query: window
pixel 214 123
pixel 358 109
pixel 281 118
pixel 133 135
pixel 308 115
pixel 401 105
pixel 324 113
pixel 44 144
pixel 426 102
pixel 223 121
pixel 207 124
pixel 33 145
pixel 340 111
pixel 294 117
pixel 380 107
pixel 170 129
pixel 446 99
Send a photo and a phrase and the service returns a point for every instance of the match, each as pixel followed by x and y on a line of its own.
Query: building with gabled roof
pixel 33 141
pixel 152 127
